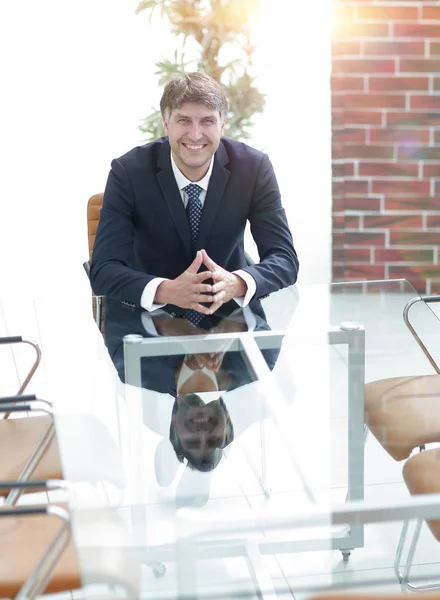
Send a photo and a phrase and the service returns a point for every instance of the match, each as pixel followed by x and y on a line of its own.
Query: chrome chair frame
pixel 28 403
pixel 19 340
pixel 97 299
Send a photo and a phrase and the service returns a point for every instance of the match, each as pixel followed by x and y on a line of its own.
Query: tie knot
pixel 193 190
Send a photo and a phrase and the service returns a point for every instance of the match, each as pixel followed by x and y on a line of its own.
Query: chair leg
pixel 399 551
pixel 365 433
pixel 403 576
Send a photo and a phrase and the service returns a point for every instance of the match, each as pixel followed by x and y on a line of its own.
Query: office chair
pixel 403 414
pixel 27 446
pixel 37 554
pixel 93 209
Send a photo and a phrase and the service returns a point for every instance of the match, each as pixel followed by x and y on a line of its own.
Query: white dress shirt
pixel 147 298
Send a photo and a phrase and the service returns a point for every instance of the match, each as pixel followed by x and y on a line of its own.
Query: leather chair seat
pixel 421 473
pixel 104 552
pixel 404 412
pixel 18 439
pixel 23 541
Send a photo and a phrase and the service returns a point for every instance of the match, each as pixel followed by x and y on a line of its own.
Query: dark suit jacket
pixel 143 229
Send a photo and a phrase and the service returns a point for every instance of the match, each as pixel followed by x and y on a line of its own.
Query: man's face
pixel 194 132
pixel 200 427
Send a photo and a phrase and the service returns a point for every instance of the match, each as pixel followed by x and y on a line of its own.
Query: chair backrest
pixel 93 208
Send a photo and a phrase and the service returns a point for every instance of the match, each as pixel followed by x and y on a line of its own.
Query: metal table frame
pixel 250 344
pixel 195 526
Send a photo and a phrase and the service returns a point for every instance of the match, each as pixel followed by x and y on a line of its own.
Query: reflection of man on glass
pixel 171 229
pixel 185 373
pixel 193 382
pixel 197 403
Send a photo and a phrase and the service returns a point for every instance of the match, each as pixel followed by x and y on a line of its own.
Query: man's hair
pixel 208 463
pixel 193 87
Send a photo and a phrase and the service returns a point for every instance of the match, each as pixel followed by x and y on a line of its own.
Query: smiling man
pixel 171 230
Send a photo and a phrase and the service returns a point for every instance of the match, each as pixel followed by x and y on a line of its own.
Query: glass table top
pixel 254 410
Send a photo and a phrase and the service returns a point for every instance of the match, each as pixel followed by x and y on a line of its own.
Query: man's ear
pixel 222 128
pixel 165 125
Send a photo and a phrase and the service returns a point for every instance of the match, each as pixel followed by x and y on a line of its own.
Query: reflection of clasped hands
pixel 189 289
pixel 179 326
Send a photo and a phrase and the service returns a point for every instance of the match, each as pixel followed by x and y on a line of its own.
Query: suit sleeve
pixel 110 273
pixel 278 265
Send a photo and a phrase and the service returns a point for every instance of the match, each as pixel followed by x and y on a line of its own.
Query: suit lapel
pixel 216 188
pixel 217 185
pixel 172 196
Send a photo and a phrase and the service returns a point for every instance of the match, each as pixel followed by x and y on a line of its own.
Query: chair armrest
pixel 25 400
pixel 86 267
pixel 35 484
pixel 36 347
pixel 99 304
pixel 24 403
pixel 429 299
pixel 249 261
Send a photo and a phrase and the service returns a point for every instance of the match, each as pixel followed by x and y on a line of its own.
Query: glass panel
pixel 255 410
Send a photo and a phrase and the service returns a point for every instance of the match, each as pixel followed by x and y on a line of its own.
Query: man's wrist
pixel 162 292
pixel 240 287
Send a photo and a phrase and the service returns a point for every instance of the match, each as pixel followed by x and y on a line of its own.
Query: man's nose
pixel 195 132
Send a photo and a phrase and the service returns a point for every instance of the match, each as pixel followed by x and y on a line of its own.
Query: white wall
pixel 76 79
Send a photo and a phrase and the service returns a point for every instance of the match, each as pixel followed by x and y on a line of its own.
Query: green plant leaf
pixel 152 126
pixel 213 25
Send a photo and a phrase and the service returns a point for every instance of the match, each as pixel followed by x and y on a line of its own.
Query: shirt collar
pixel 183 181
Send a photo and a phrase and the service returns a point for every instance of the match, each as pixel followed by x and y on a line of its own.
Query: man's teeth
pixel 191 147
pixel 204 420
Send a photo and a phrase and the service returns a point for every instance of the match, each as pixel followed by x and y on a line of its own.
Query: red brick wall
pixel 386 141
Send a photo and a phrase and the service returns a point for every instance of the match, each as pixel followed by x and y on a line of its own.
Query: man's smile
pixel 194 147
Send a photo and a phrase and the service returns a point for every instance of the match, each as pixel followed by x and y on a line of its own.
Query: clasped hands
pixel 189 289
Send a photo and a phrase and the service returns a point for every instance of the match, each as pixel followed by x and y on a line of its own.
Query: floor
pixel 390 351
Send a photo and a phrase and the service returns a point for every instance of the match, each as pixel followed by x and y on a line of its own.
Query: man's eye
pixel 208 122
pixel 183 120
pixel 214 442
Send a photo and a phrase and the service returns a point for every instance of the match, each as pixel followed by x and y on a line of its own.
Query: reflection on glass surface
pixel 200 426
